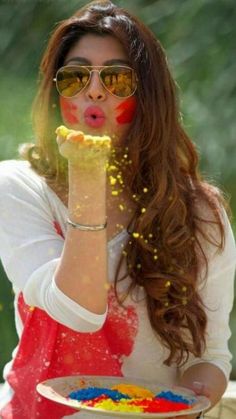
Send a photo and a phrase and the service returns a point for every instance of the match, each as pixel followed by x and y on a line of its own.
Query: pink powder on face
pixel 68 109
pixel 126 110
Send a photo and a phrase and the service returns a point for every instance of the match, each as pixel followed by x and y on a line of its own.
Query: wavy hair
pixel 166 254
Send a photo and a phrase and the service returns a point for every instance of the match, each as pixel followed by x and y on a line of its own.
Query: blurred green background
pixel 199 37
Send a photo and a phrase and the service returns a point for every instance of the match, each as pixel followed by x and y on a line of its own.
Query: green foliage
pixel 7 326
pixel 199 37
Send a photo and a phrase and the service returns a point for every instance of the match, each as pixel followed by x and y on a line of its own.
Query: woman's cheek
pixel 126 110
pixel 69 111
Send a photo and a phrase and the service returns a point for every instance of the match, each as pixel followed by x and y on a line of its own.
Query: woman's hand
pixel 200 389
pixel 84 151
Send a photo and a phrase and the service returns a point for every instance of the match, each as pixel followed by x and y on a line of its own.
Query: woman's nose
pixel 95 89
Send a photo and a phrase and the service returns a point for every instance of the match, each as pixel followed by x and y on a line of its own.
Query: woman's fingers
pixel 200 389
pixel 60 140
pixel 76 146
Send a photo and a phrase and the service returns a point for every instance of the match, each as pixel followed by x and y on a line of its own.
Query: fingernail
pixel 198 385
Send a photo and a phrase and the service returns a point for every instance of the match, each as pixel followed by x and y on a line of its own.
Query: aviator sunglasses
pixel 118 80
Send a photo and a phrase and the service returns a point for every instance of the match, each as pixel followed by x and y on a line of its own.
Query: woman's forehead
pixel 97 49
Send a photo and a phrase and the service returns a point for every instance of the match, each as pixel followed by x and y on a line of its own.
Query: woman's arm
pixel 204 379
pixel 210 376
pixel 213 368
pixel 31 246
pixel 82 271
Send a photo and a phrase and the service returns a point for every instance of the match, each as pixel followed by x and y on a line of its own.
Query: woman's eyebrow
pixel 115 61
pixel 85 61
pixel 80 60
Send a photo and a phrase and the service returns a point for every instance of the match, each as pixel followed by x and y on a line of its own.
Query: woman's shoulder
pixel 20 184
pixel 214 228
pixel 21 189
pixel 18 174
pixel 209 207
pixel 11 167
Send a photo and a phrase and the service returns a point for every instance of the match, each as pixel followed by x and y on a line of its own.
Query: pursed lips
pixel 94 116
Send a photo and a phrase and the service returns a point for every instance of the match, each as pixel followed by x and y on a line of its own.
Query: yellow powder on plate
pixel 133 390
pixel 120 406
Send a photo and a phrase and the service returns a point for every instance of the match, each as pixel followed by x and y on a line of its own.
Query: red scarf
pixel 47 349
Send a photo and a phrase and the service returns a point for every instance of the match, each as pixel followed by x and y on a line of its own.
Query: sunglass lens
pixel 70 81
pixel 120 81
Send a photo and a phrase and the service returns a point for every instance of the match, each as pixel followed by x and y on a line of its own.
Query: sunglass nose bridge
pixel 94 70
pixel 94 87
pixel 94 78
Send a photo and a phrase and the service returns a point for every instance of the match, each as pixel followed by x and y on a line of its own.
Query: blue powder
pixel 168 395
pixel 92 392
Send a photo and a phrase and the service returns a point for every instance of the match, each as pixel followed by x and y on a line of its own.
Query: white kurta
pixel 30 250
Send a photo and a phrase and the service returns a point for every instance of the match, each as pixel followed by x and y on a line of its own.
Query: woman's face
pixel 115 114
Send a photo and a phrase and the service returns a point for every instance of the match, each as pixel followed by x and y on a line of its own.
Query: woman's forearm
pixel 82 271
pixel 209 375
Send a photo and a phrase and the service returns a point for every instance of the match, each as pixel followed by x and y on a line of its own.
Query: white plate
pixel 57 390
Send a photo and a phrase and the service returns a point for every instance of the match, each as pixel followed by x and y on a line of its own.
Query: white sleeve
pixel 30 248
pixel 217 293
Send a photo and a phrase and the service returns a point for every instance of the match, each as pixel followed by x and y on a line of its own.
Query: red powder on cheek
pixel 127 110
pixel 68 108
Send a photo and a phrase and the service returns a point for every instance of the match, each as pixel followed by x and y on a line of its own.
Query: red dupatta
pixel 48 349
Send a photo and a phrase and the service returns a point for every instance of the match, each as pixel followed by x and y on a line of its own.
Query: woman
pixel 118 262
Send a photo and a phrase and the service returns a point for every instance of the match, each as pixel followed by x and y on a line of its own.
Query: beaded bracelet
pixel 87 227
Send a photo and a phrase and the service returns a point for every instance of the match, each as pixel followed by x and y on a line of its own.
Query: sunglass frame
pixel 91 69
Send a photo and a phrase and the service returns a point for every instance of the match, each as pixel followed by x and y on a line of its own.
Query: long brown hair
pixel 166 254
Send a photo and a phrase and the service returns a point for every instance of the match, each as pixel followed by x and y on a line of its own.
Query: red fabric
pixel 47 349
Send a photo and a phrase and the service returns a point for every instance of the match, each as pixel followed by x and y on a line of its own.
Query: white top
pixel 30 250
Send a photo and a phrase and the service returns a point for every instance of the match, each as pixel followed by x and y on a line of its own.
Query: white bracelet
pixel 87 227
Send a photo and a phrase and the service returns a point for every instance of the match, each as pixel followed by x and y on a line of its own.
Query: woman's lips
pixel 94 116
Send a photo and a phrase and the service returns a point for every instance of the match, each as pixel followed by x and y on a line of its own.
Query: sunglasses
pixel 120 81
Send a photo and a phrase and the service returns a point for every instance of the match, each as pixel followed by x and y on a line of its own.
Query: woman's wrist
pixel 87 171
pixel 87 184
pixel 87 196
pixel 87 207
pixel 89 213
pixel 87 227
